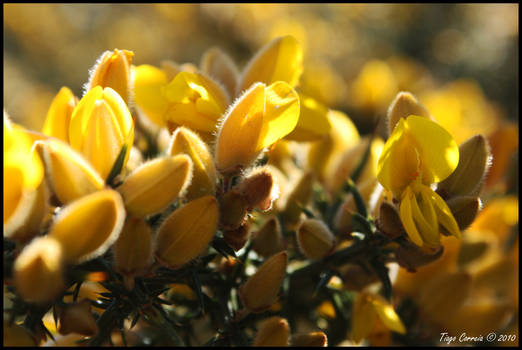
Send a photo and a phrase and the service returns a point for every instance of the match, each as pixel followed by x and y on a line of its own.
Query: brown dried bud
pixel 259 190
pixel 238 237
pixel 233 210
pixel 389 221
pixel 411 256
pixel 273 332
pixel 312 339
pixel 268 240
pixel 356 278
pixel 77 318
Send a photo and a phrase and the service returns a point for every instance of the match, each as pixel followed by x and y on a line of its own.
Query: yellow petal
pixel 149 83
pixel 87 227
pixel 281 113
pixel 388 315
pixel 444 215
pixel 428 229
pixel 156 184
pixel 187 231
pixel 59 115
pixel 406 215
pixel 313 121
pixel 70 175
pixel 281 59
pixel 363 317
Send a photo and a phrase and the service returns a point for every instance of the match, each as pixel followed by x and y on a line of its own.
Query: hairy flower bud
pixel 404 105
pixel 474 161
pixel 113 69
pixel 312 339
pixel 87 227
pixel 156 184
pixel 237 238
pixel 464 210
pixel 77 318
pixel 187 231
pixel 268 240
pixel 232 209
pixel 274 331
pixel 204 172
pixel 220 66
pixel 59 115
pixel 38 270
pixel 260 291
pixel 315 239
pixel 259 189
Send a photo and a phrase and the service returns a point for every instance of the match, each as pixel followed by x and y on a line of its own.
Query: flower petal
pixel 406 216
pixel 148 92
pixel 445 216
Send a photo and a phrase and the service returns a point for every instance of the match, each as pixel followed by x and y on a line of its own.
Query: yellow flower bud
pixel 480 317
pixel 101 126
pixel 59 115
pixel 389 221
pixel 260 291
pixel 236 238
pixel 313 121
pixel 70 175
pixel 274 331
pixel 38 270
pixel 113 69
pixel 232 209
pixel 280 60
pixel 187 232
pixel 268 240
pixel 467 179
pixel 133 249
pixel 464 210
pixel 404 105
pixel 259 190
pixel 312 339
pixel 87 227
pixel 299 197
pixel 16 335
pixel 195 101
pixel 221 67
pixel 204 172
pixel 77 318
pixel 315 239
pixel 156 184
pixel 260 117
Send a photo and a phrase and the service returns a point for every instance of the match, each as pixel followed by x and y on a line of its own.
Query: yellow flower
pixel 418 153
pixel 149 84
pixel 59 115
pixel 260 117
pixel 113 69
pixel 313 121
pixel 101 127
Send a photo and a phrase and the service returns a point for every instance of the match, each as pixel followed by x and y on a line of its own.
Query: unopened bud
pixel 133 249
pixel 389 221
pixel 411 256
pixel 404 105
pixel 274 331
pixel 187 231
pixel 232 209
pixel 87 227
pixel 259 190
pixel 343 217
pixel 356 278
pixel 59 115
pixel 474 161
pixel 204 172
pixel 113 69
pixel 464 209
pixel 221 67
pixel 268 239
pixel 315 239
pixel 77 318
pixel 38 270
pixel 156 184
pixel 237 238
pixel 312 339
pixel 260 291
pixel 16 335
pixel 299 197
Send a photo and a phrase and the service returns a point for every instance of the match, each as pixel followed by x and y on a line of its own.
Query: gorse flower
pixel 418 153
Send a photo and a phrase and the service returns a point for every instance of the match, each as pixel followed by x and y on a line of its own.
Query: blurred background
pixel 357 56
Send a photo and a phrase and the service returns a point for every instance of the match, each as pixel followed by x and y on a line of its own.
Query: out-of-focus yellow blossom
pixel 503 143
pixel 279 60
pixel 23 173
pixel 366 309
pixel 312 339
pixel 70 175
pixel 221 67
pixel 313 121
pixel 101 127
pixel 418 153
pixel 497 218
pixel 59 115
pixel 260 117
pixel 149 85
pixel 113 69
pixel 17 335
pixel 88 226
pixel 330 89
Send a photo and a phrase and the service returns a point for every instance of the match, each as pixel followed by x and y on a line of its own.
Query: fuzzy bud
pixel 59 115
pixel 237 238
pixel 187 232
pixel 156 184
pixel 77 318
pixel 274 331
pixel 220 66
pixel 38 270
pixel 268 239
pixel 259 190
pixel 404 105
pixel 315 239
pixel 464 209
pixel 260 291
pixel 233 210
pixel 312 339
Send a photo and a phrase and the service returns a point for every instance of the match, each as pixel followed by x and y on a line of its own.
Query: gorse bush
pixel 207 205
